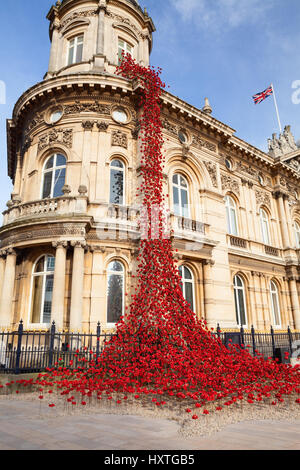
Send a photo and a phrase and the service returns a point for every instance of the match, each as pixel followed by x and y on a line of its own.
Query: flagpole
pixel 276 107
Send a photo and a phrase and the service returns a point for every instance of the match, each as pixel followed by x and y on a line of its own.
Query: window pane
pixel 48 299
pixel 116 187
pixel 276 309
pixel 115 298
pixel 47 184
pixel 40 266
pixel 71 54
pixel 60 160
pixel 241 301
pixel 50 263
pixel 175 179
pixel 185 203
pixel 176 201
pixel 233 222
pixel 187 274
pixel 183 182
pixel 236 307
pixel 50 163
pixel 115 266
pixel 59 182
pixel 189 294
pixel 79 53
pixel 37 296
pixel 117 164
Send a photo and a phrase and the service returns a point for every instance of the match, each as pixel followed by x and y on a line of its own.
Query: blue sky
pixel 226 50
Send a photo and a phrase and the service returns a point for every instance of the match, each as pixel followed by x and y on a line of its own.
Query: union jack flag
pixel 259 97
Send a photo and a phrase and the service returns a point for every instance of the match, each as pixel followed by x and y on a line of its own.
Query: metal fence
pixel 273 344
pixel 26 351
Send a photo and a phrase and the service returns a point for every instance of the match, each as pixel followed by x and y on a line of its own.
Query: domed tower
pixel 69 235
pixel 90 36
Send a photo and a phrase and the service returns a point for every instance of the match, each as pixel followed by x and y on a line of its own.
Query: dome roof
pixel 133 2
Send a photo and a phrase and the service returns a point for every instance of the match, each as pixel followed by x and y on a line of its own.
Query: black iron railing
pixel 273 344
pixel 32 351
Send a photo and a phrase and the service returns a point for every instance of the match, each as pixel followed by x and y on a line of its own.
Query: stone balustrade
pixel 45 208
pixel 270 250
pixel 238 242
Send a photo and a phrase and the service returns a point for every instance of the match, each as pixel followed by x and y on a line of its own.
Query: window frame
pixel 265 226
pixel 43 274
pixel 75 48
pixel 297 235
pixel 53 169
pixel 229 209
pixel 189 281
pixel 123 170
pixel 236 288
pixel 125 50
pixel 180 189
pixel 115 273
pixel 276 292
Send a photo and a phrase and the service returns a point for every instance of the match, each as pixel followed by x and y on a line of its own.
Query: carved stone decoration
pixel 185 151
pixel 170 127
pixel 82 190
pixel 95 107
pixel 35 121
pixel 228 183
pixel 88 125
pixel 212 170
pixel 200 143
pixel 127 22
pixel 26 145
pixel 102 126
pixel 246 170
pixel 283 145
pixel 63 136
pixel 119 139
pixel 262 198
pixel 76 15
pixel 60 230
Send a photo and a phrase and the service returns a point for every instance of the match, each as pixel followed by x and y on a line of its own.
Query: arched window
pixel 181 196
pixel 124 48
pixel 275 304
pixel 187 285
pixel 75 50
pixel 297 234
pixel 117 182
pixel 42 290
pixel 54 176
pixel 231 213
pixel 115 292
pixel 240 301
pixel 264 223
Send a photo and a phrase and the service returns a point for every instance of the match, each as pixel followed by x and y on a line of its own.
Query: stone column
pixel 77 285
pixel 100 33
pixel 7 291
pixel 2 268
pixel 295 301
pixel 209 303
pixel 289 221
pixel 58 298
pixel 257 319
pixel 54 48
pixel 283 223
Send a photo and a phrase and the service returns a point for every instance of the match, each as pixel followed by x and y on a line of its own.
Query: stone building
pixel 70 235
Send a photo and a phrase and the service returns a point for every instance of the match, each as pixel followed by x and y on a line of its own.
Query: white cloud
pixel 214 14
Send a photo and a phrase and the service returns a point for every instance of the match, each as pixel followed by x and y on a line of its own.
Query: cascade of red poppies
pixel 160 347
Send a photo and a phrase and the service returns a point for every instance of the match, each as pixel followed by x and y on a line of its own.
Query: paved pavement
pixel 24 427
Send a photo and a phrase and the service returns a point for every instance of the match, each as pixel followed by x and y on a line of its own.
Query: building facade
pixel 70 234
